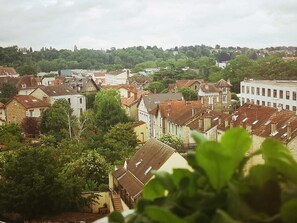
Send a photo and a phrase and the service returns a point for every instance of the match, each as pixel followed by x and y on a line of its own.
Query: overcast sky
pixel 102 24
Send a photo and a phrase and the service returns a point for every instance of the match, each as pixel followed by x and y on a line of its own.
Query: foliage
pixel 155 87
pixel 108 110
pixel 30 126
pixel 172 141
pixel 7 91
pixel 90 98
pixel 58 120
pixel 32 186
pixel 119 142
pixel 189 94
pixel 91 167
pixel 220 189
pixel 10 136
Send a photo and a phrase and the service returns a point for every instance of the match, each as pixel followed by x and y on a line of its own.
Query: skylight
pixel 139 162
pixel 54 92
pixel 255 122
pixel 284 126
pixel 244 119
pixel 274 133
pixel 148 170
pixel 216 118
pixel 268 122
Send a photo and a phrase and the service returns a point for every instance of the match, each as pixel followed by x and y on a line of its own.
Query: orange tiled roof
pixel 7 71
pixel 28 101
pixel 187 83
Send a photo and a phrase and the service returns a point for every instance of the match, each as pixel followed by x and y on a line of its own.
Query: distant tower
pixel 75 48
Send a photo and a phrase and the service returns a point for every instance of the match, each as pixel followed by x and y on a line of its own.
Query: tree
pixel 91 167
pixel 8 91
pixel 189 94
pixel 219 189
pixel 108 110
pixel 30 126
pixel 172 141
pixel 27 70
pixel 119 142
pixel 156 87
pixel 10 136
pixel 31 185
pixel 58 120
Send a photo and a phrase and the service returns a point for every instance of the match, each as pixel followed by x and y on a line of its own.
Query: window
pixel 31 113
pixel 252 90
pixel 269 104
pixel 242 89
pixel 242 100
pixel 281 94
pixel 294 108
pixel 294 95
pixel 247 89
pixel 288 95
pixel 263 91
pixel 225 90
pixel 258 102
pixel 24 85
pixel 80 100
pixel 263 103
pixel 210 100
pixel 269 92
pixel 288 107
pixel 274 105
pixel 224 99
pixel 258 91
pixel 69 101
pixel 274 93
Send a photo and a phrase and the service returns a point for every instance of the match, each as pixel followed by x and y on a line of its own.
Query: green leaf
pixel 289 211
pixel 220 160
pixel 165 179
pixel 198 137
pixel 153 189
pixel 116 217
pixel 277 155
pixel 216 162
pixel 260 174
pixel 158 214
pixel 237 142
pixel 223 217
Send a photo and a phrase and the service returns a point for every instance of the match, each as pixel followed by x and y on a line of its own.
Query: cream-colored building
pixel 129 180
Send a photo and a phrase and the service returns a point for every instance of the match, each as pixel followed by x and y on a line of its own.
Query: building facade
pixel 271 93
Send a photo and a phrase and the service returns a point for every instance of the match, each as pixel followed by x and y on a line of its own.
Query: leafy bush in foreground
pixel 219 190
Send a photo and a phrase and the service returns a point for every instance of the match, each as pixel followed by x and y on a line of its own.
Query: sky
pixel 102 24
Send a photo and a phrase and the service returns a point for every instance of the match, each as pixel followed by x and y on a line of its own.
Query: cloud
pixel 166 23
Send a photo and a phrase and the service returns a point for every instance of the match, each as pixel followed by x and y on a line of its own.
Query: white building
pixel 271 93
pixel 117 77
pixel 52 93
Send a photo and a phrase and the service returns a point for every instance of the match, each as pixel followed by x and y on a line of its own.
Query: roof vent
pixel 148 170
pixel 139 162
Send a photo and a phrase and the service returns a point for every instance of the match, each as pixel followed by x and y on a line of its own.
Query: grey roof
pixel 82 82
pixel 151 100
pixel 58 90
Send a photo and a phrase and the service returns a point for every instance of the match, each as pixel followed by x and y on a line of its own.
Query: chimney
pixel 231 124
pixel 273 127
pixel 135 95
pixel 169 108
pixel 289 130
pixel 200 123
pixel 206 123
pixel 226 123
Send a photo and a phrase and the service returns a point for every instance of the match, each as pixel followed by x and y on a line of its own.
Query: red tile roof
pixel 7 71
pixel 28 101
pixel 188 83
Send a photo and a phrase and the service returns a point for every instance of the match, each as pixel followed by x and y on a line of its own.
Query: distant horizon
pixel 145 46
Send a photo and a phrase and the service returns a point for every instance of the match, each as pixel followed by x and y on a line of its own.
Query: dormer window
pixel 225 90
pixel 24 85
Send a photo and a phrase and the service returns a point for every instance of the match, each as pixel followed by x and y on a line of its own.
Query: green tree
pixel 119 142
pixel 58 120
pixel 172 141
pixel 108 110
pixel 189 94
pixel 91 167
pixel 8 91
pixel 31 185
pixel 27 70
pixel 156 87
pixel 10 136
